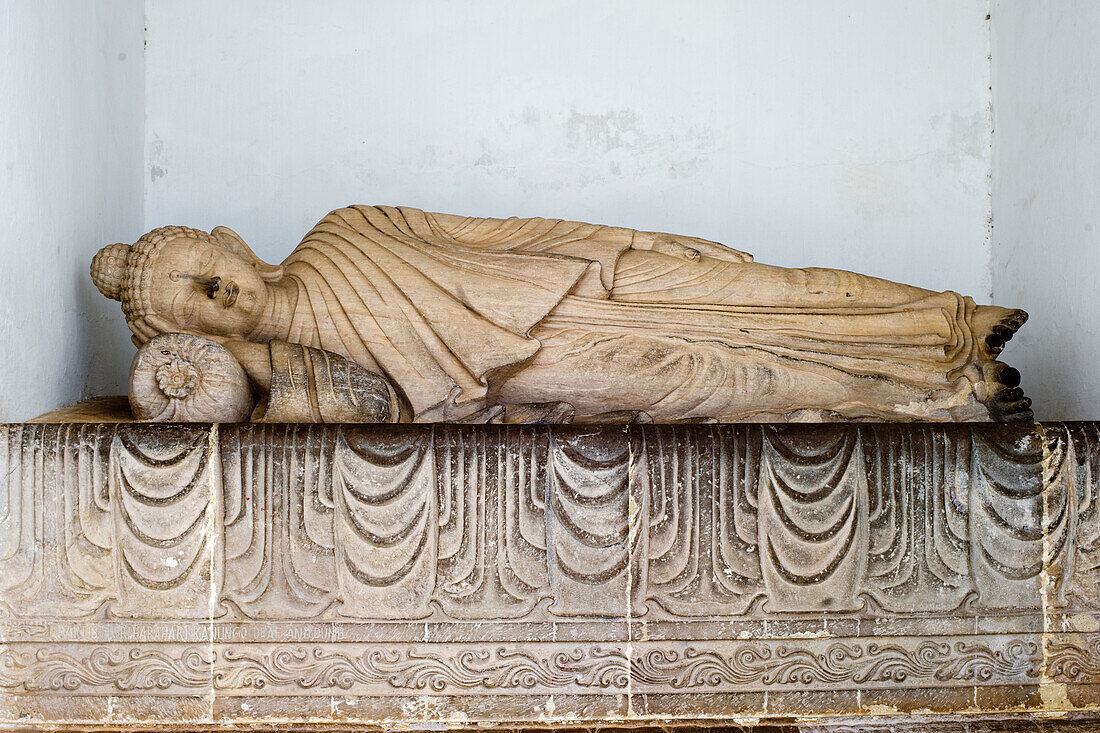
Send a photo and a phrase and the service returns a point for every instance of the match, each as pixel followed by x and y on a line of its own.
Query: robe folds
pixel 451 308
pixel 385 287
pixel 312 385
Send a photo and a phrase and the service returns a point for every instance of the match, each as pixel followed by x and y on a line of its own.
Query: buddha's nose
pixel 208 285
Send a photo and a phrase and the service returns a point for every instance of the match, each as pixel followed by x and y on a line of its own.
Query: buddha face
pixel 204 288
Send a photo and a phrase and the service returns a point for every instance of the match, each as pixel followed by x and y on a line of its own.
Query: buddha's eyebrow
pixel 208 260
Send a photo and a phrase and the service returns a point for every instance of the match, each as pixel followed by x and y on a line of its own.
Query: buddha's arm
pixel 692 248
pixel 602 244
pixel 523 234
pixel 255 358
pixel 312 385
pixel 571 237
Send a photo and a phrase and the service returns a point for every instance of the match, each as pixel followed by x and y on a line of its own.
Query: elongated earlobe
pixel 232 241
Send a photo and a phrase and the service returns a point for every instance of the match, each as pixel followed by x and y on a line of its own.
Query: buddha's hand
pixel 688 248
pixel 147 328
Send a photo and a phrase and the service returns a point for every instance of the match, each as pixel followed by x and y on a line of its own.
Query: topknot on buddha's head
pixel 109 269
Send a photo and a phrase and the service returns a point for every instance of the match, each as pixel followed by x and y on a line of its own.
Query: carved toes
pixel 1000 324
pixel 1002 395
pixel 1003 374
pixel 1010 405
pixel 1017 319
pixel 994 344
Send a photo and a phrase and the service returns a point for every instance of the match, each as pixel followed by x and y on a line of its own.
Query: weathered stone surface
pixel 338 575
pixel 393 314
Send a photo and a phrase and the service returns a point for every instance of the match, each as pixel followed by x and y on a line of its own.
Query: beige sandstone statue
pixel 402 315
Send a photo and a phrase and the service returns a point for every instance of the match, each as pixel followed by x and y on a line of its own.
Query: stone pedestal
pixel 183 576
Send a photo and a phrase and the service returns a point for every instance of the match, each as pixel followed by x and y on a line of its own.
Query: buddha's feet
pixel 994 326
pixel 1000 388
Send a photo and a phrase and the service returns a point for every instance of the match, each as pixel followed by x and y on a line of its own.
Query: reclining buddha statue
pixel 437 317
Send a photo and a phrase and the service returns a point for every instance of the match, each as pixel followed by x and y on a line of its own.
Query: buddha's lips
pixel 232 290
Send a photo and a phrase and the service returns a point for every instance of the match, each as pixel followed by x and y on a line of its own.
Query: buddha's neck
pixel 276 322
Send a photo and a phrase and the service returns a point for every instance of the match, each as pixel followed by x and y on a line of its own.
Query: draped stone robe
pixel 394 292
pixel 311 385
pixel 460 313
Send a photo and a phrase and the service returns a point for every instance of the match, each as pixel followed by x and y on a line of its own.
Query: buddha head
pixel 186 280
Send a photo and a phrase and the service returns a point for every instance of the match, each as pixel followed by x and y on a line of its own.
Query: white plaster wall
pixel 847 133
pixel 70 181
pixel 1046 188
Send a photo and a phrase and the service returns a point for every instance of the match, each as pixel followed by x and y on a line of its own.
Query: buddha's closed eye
pixel 184 306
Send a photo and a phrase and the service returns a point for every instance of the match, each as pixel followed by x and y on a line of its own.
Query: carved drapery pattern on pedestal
pixel 492 529
pixel 165 499
pixel 280 550
pixel 813 520
pixel 376 562
pixel 132 521
pixel 466 523
pixel 701 520
pixel 385 524
pixel 590 525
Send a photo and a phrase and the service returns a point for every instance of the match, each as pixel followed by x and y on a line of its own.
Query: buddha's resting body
pixel 540 319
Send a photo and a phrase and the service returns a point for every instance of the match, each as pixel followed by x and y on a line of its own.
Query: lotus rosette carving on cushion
pixel 179 377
